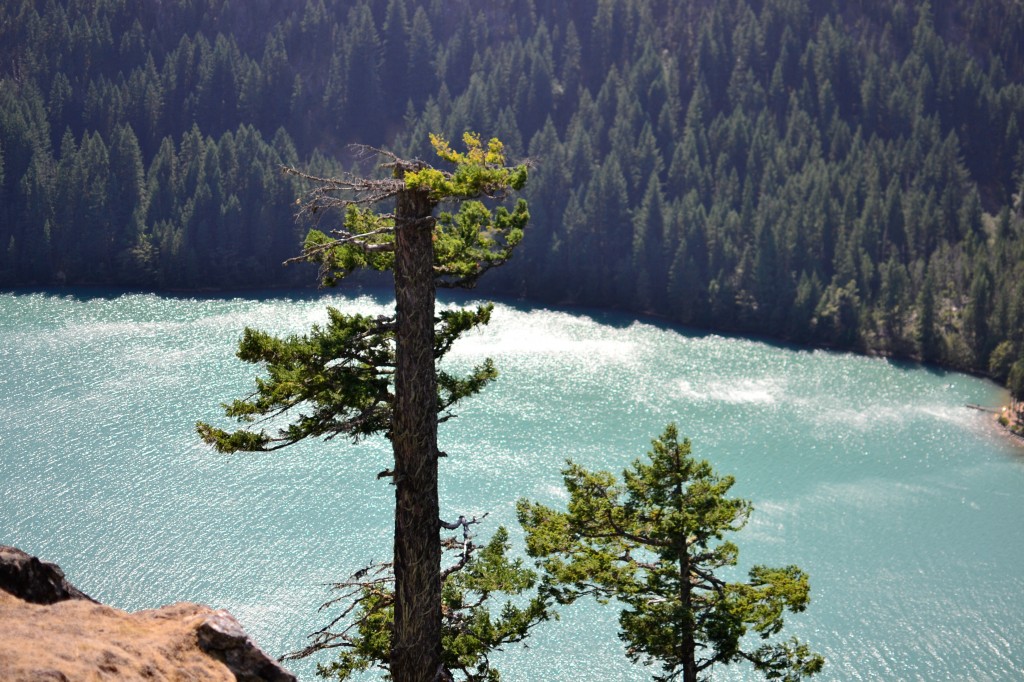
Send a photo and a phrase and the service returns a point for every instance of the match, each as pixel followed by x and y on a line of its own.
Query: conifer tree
pixel 469 631
pixel 359 376
pixel 654 542
pixel 928 337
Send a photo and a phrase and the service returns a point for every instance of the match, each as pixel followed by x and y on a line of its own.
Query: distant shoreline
pixel 1007 423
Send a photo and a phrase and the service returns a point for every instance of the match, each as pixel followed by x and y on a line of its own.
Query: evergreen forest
pixel 842 174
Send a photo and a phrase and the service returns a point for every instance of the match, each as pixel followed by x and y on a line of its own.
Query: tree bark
pixel 416 644
pixel 686 637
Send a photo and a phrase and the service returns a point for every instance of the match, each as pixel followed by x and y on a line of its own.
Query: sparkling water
pixel 905 507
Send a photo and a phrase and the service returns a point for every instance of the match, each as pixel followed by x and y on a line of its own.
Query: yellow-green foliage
pixel 479 171
pixel 467 242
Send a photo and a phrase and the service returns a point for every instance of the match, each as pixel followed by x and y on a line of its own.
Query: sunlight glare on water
pixel 902 505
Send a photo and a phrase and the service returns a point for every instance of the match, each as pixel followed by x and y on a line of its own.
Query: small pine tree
pixel 654 543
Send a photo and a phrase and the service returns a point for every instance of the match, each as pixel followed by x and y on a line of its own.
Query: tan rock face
pixel 71 638
pixel 78 640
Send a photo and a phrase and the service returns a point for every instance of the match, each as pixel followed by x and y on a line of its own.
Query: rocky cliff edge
pixel 52 632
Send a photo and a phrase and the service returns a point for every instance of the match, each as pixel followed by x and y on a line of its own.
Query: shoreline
pixel 1004 419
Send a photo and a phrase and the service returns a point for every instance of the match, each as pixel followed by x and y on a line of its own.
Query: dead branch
pixel 366 583
pixel 375 583
pixel 466 545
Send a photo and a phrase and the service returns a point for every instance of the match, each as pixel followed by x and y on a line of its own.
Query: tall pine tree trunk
pixel 416 646
pixel 686 637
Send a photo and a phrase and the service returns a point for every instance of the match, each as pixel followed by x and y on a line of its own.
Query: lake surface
pixel 906 508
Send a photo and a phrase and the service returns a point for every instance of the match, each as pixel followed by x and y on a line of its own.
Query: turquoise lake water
pixel 906 508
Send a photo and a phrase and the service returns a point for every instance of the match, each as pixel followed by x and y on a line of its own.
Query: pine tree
pixel 929 340
pixel 360 376
pixel 422 82
pixel 396 58
pixel 654 543
pixel 469 631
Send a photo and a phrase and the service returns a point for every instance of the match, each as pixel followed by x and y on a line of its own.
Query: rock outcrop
pixel 53 632
pixel 35 581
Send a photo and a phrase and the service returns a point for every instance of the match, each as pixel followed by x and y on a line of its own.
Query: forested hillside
pixel 837 173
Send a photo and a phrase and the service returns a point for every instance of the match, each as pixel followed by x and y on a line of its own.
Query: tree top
pixel 467 243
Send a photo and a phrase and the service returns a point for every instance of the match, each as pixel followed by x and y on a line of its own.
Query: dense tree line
pixel 844 174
